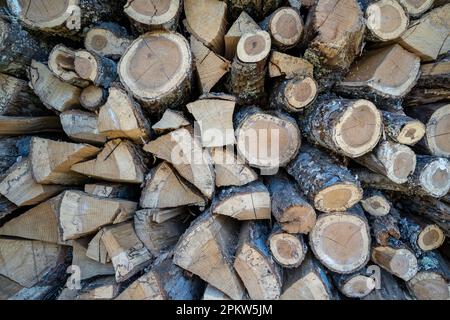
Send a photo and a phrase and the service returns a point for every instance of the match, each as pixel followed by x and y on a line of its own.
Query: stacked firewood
pixel 240 149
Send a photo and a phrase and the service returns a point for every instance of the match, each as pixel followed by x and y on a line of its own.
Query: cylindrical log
pixel 375 203
pixel 330 186
pixel 294 95
pixel 349 127
pixel 162 82
pixel 385 20
pixel 354 285
pixel 402 129
pixel 90 66
pixel 287 249
pixel 416 8
pixel 383 228
pixel 61 62
pixel 93 97
pixel 107 39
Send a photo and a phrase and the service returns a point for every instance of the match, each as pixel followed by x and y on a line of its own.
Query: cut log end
pixel 435 177
pixel 298 219
pixel 287 249
pixel 286 27
pixel 438 133
pixel 300 93
pixel 412 132
pixel 358 287
pixel 430 238
pixel 386 20
pixel 376 205
pixel 161 14
pixel 338 197
pixel 429 286
pixel 400 262
pixel 253 47
pixel 92 97
pixel 85 65
pixel 415 8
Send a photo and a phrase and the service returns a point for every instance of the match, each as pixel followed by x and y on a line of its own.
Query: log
pixel 164 281
pixel 107 39
pixel 112 190
pixel 249 67
pixel 436 118
pixel 61 62
pixel 13 126
pixel 185 153
pixel 54 93
pixel 294 95
pixel 427 37
pixel 82 126
pixel 328 185
pixel 402 129
pixel 96 249
pixel 383 228
pixel 122 117
pixel 249 202
pixel 416 8
pixel 341 241
pixel 355 285
pixel 230 170
pixel 93 97
pixel 395 161
pixel 119 161
pixel 385 20
pixel 308 282
pixel 13 291
pixel 336 29
pixel 102 288
pixel 243 24
pixel 258 271
pixel 419 96
pixel 266 140
pixel 214 116
pixel 158 237
pixel 128 254
pixel 281 64
pixel 289 208
pixel 349 127
pixel 256 9
pixel 212 293
pixel 210 66
pixel 207 249
pixel 6 207
pixel 375 203
pixel 51 160
pixel 164 82
pixel 392 288
pixel 164 188
pixel 20 188
pixel 160 15
pixel 11 148
pixel 288 250
pixel 171 120
pixel 386 73
pixel 285 26
pixel 100 70
pixel 88 268
pixel 206 20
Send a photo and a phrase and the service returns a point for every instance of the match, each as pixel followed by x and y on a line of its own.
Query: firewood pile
pixel 240 149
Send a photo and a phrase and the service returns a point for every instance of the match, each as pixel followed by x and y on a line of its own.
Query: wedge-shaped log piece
pixel 13 291
pixel 288 250
pixel 212 293
pixel 385 20
pixel 207 250
pixel 6 207
pixel 128 254
pixel 61 62
pixel 159 15
pixel 254 263
pixel 171 120
pixel 82 126
pixel 165 189
pixel 281 64
pixel 100 70
pixel 88 268
pixel 102 288
pixel 13 126
pixel 249 202
pixel 185 153
pixel 119 161
pixel 11 148
pixel 107 39
pixel 96 249
pixel 113 190
pixel 243 24
pixel 403 129
pixel 122 117
pixel 51 160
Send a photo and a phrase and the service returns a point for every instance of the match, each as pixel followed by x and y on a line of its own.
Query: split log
pixel 185 153
pixel 214 116
pixel 243 24
pixel 51 161
pixel 341 241
pixel 211 293
pixel 294 95
pixel 93 97
pixel 293 213
pixel 328 185
pixel 82 126
pixel 165 189
pixel 122 117
pixel 248 202
pixel 6 207
pixel 375 203
pixel 11 148
pixel 111 190
pixel 164 82
pixel 338 29
pixel 255 8
pixel 349 127
pixel 171 120
pixel 288 250
pixel 436 118
pixel 13 126
pixel 13 291
pixel 308 282
pixel 385 20
pixel 285 26
pixel 119 161
pixel 383 228
pixel 163 215
pixel 31 262
pixel 355 285
pixel 428 36
pixel 61 62
pixel 160 236
pixel 159 15
pixel 416 8
pixel 207 250
pixel 20 188
pixel 266 140
pixel 391 288
pixel 281 64
pixel 210 66
pixel 393 160
pixel 88 268
pixel 17 99
pixel 249 67
pixel 54 93
pixel 107 39
pixel 128 254
pixel 403 129
pixel 419 96
pixel 96 249
pixel 261 276
pixel 386 73
pixel 230 170
pixel 100 70
pixel 103 288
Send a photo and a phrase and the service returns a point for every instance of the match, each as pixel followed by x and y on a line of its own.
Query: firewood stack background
pixel 239 149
